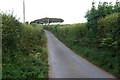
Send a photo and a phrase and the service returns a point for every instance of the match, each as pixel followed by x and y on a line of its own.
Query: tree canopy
pixel 96 13
pixel 47 20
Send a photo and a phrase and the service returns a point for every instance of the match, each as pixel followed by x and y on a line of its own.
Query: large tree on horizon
pixel 47 20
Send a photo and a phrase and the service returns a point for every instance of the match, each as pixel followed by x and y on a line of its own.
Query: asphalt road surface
pixel 64 63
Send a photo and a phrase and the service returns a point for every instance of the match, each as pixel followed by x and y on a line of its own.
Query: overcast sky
pixel 72 11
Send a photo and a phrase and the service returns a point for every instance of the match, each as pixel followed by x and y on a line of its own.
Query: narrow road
pixel 64 63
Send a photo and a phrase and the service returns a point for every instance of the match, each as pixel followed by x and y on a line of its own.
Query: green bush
pixel 71 34
pixel 24 50
pixel 108 29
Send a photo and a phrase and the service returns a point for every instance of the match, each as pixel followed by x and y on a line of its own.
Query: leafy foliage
pixel 104 9
pixel 24 50
pixel 107 29
pixel 48 20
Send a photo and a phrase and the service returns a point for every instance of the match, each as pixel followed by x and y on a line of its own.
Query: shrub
pixel 21 45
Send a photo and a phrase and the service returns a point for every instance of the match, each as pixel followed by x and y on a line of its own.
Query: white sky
pixel 72 11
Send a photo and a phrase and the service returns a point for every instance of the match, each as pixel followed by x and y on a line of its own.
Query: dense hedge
pixel 75 34
pixel 24 50
pixel 105 53
pixel 108 32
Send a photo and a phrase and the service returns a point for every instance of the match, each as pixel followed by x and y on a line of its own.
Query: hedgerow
pixel 24 53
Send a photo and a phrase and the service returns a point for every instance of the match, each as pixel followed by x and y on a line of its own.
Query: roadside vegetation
pixel 24 46
pixel 97 40
pixel 24 52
